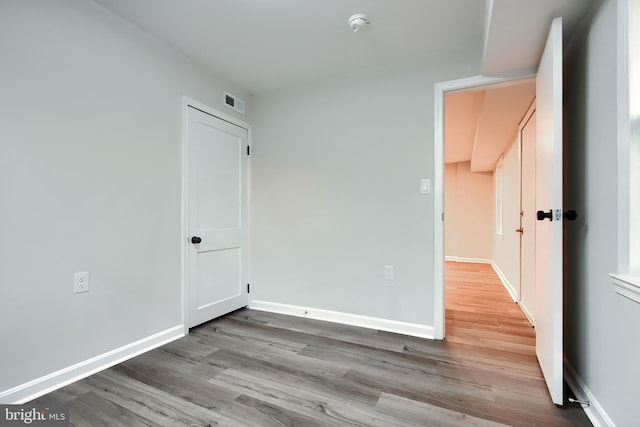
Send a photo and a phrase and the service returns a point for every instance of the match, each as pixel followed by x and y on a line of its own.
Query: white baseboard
pixel 513 294
pixel 505 282
pixel 55 380
pixel 527 313
pixel 596 413
pixel 412 329
pixel 463 259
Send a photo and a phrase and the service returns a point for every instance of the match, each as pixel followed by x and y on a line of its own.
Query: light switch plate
pixel 388 272
pixel 425 186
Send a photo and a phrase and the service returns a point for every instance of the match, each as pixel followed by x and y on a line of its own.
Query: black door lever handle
pixel 569 215
pixel 545 215
pixel 195 240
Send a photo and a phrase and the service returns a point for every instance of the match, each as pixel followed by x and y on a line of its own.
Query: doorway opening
pixel 488 132
pixel 477 164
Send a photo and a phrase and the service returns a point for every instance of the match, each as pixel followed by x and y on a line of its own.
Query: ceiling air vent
pixel 234 102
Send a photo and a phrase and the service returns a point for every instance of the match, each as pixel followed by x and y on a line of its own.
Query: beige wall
pixel 469 220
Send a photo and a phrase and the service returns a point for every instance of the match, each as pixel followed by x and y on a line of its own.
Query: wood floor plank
pixel 188 349
pixel 499 379
pixel 405 377
pixel 258 413
pixel 333 385
pixel 255 368
pixel 443 397
pixel 256 334
pixel 180 384
pixel 416 413
pixel 91 409
pixel 328 330
pixel 314 403
pixel 159 407
pixel 283 357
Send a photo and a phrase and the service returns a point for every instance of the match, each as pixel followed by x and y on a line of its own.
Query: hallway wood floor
pixel 252 368
pixel 480 311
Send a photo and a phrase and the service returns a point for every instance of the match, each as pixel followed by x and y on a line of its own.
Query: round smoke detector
pixel 358 21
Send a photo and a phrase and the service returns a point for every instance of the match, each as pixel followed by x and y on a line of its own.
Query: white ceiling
pixel 481 125
pixel 263 45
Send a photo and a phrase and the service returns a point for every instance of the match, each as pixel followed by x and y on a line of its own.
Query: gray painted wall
pixel 601 326
pixel 90 180
pixel 336 173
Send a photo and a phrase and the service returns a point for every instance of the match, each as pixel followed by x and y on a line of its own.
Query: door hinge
pixel 248 150
pixel 248 288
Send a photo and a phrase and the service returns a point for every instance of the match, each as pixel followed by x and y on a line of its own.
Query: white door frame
pixel 440 90
pixel 184 233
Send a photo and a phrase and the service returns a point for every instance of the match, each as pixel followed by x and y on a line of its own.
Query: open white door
pixel 528 219
pixel 548 307
pixel 217 216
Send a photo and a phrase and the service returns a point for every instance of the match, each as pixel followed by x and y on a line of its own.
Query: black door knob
pixel 195 240
pixel 545 215
pixel 570 215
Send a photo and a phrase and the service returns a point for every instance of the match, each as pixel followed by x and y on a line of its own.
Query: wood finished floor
pixel 253 368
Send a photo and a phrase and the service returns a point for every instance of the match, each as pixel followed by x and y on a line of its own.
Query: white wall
pixel 90 180
pixel 469 212
pixel 601 326
pixel 336 178
pixel 506 246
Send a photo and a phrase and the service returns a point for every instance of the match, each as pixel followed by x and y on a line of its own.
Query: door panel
pixel 219 196
pixel 548 308
pixel 217 215
pixel 222 268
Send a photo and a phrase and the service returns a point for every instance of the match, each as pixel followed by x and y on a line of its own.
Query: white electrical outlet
pixel 388 272
pixel 81 282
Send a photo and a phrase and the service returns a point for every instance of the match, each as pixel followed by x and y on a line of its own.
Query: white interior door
pixel 528 219
pixel 548 308
pixel 217 216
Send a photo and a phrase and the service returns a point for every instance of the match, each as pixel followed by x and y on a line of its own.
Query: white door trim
pixel 184 236
pixel 440 89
